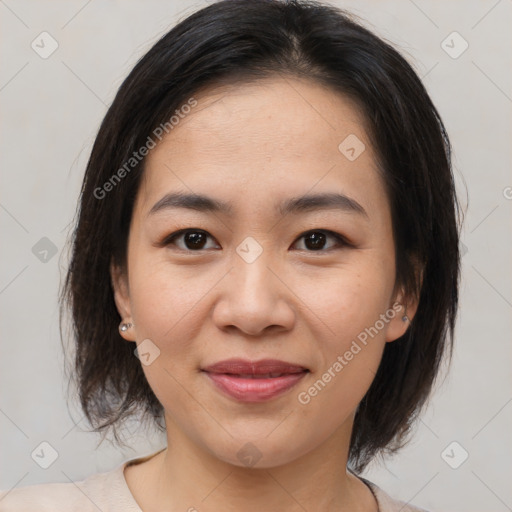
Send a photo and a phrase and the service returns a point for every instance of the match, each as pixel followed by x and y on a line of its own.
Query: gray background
pixel 51 109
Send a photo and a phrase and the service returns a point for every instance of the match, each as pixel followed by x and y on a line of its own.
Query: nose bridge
pixel 253 297
pixel 252 278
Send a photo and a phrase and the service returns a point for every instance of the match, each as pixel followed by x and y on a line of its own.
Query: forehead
pixel 275 137
pixel 291 114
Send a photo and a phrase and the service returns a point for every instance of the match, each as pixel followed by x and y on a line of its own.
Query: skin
pixel 256 145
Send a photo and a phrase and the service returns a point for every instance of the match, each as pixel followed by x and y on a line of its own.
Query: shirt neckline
pixel 127 493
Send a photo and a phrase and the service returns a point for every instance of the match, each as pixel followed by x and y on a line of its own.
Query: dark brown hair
pixel 228 42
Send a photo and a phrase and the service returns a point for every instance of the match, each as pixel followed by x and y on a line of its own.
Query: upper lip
pixel 261 367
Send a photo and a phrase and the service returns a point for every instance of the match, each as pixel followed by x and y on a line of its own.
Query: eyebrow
pixel 301 204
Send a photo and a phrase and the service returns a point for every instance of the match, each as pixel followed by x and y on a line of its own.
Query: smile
pixel 254 381
pixel 255 388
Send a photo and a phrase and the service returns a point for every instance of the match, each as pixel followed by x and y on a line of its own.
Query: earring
pixel 405 318
pixel 124 327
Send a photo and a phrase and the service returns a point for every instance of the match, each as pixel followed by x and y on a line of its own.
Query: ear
pixel 401 311
pixel 119 279
pixel 405 304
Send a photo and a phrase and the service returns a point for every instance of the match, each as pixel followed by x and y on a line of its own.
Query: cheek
pixel 349 301
pixel 166 301
pixel 168 310
pixel 355 304
pixel 352 337
pixel 349 347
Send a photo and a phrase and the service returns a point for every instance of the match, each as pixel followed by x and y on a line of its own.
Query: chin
pixel 259 452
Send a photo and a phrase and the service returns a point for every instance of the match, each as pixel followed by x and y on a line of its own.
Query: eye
pixel 316 240
pixel 194 240
pixel 188 239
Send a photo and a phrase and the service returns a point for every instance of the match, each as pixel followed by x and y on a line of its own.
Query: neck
pixel 186 477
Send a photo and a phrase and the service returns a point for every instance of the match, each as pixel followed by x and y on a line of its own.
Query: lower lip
pixel 254 390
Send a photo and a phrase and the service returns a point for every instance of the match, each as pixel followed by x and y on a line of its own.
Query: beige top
pixel 109 492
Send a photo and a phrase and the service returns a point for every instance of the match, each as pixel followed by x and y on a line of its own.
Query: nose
pixel 254 299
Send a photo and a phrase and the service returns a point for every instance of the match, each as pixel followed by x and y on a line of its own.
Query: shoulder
pixel 387 503
pixel 44 497
pixel 101 491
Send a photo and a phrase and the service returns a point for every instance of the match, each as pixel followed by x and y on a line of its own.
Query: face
pixel 309 283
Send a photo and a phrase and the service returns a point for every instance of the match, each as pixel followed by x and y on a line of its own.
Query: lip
pixel 251 381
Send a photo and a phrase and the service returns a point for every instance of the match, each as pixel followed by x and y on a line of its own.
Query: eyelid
pixel 175 234
pixel 342 241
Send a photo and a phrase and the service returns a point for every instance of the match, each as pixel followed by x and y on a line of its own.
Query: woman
pixel 268 222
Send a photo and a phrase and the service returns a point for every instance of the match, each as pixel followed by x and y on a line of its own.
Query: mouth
pixel 258 381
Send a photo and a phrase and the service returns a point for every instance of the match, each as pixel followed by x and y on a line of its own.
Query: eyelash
pixel 341 241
